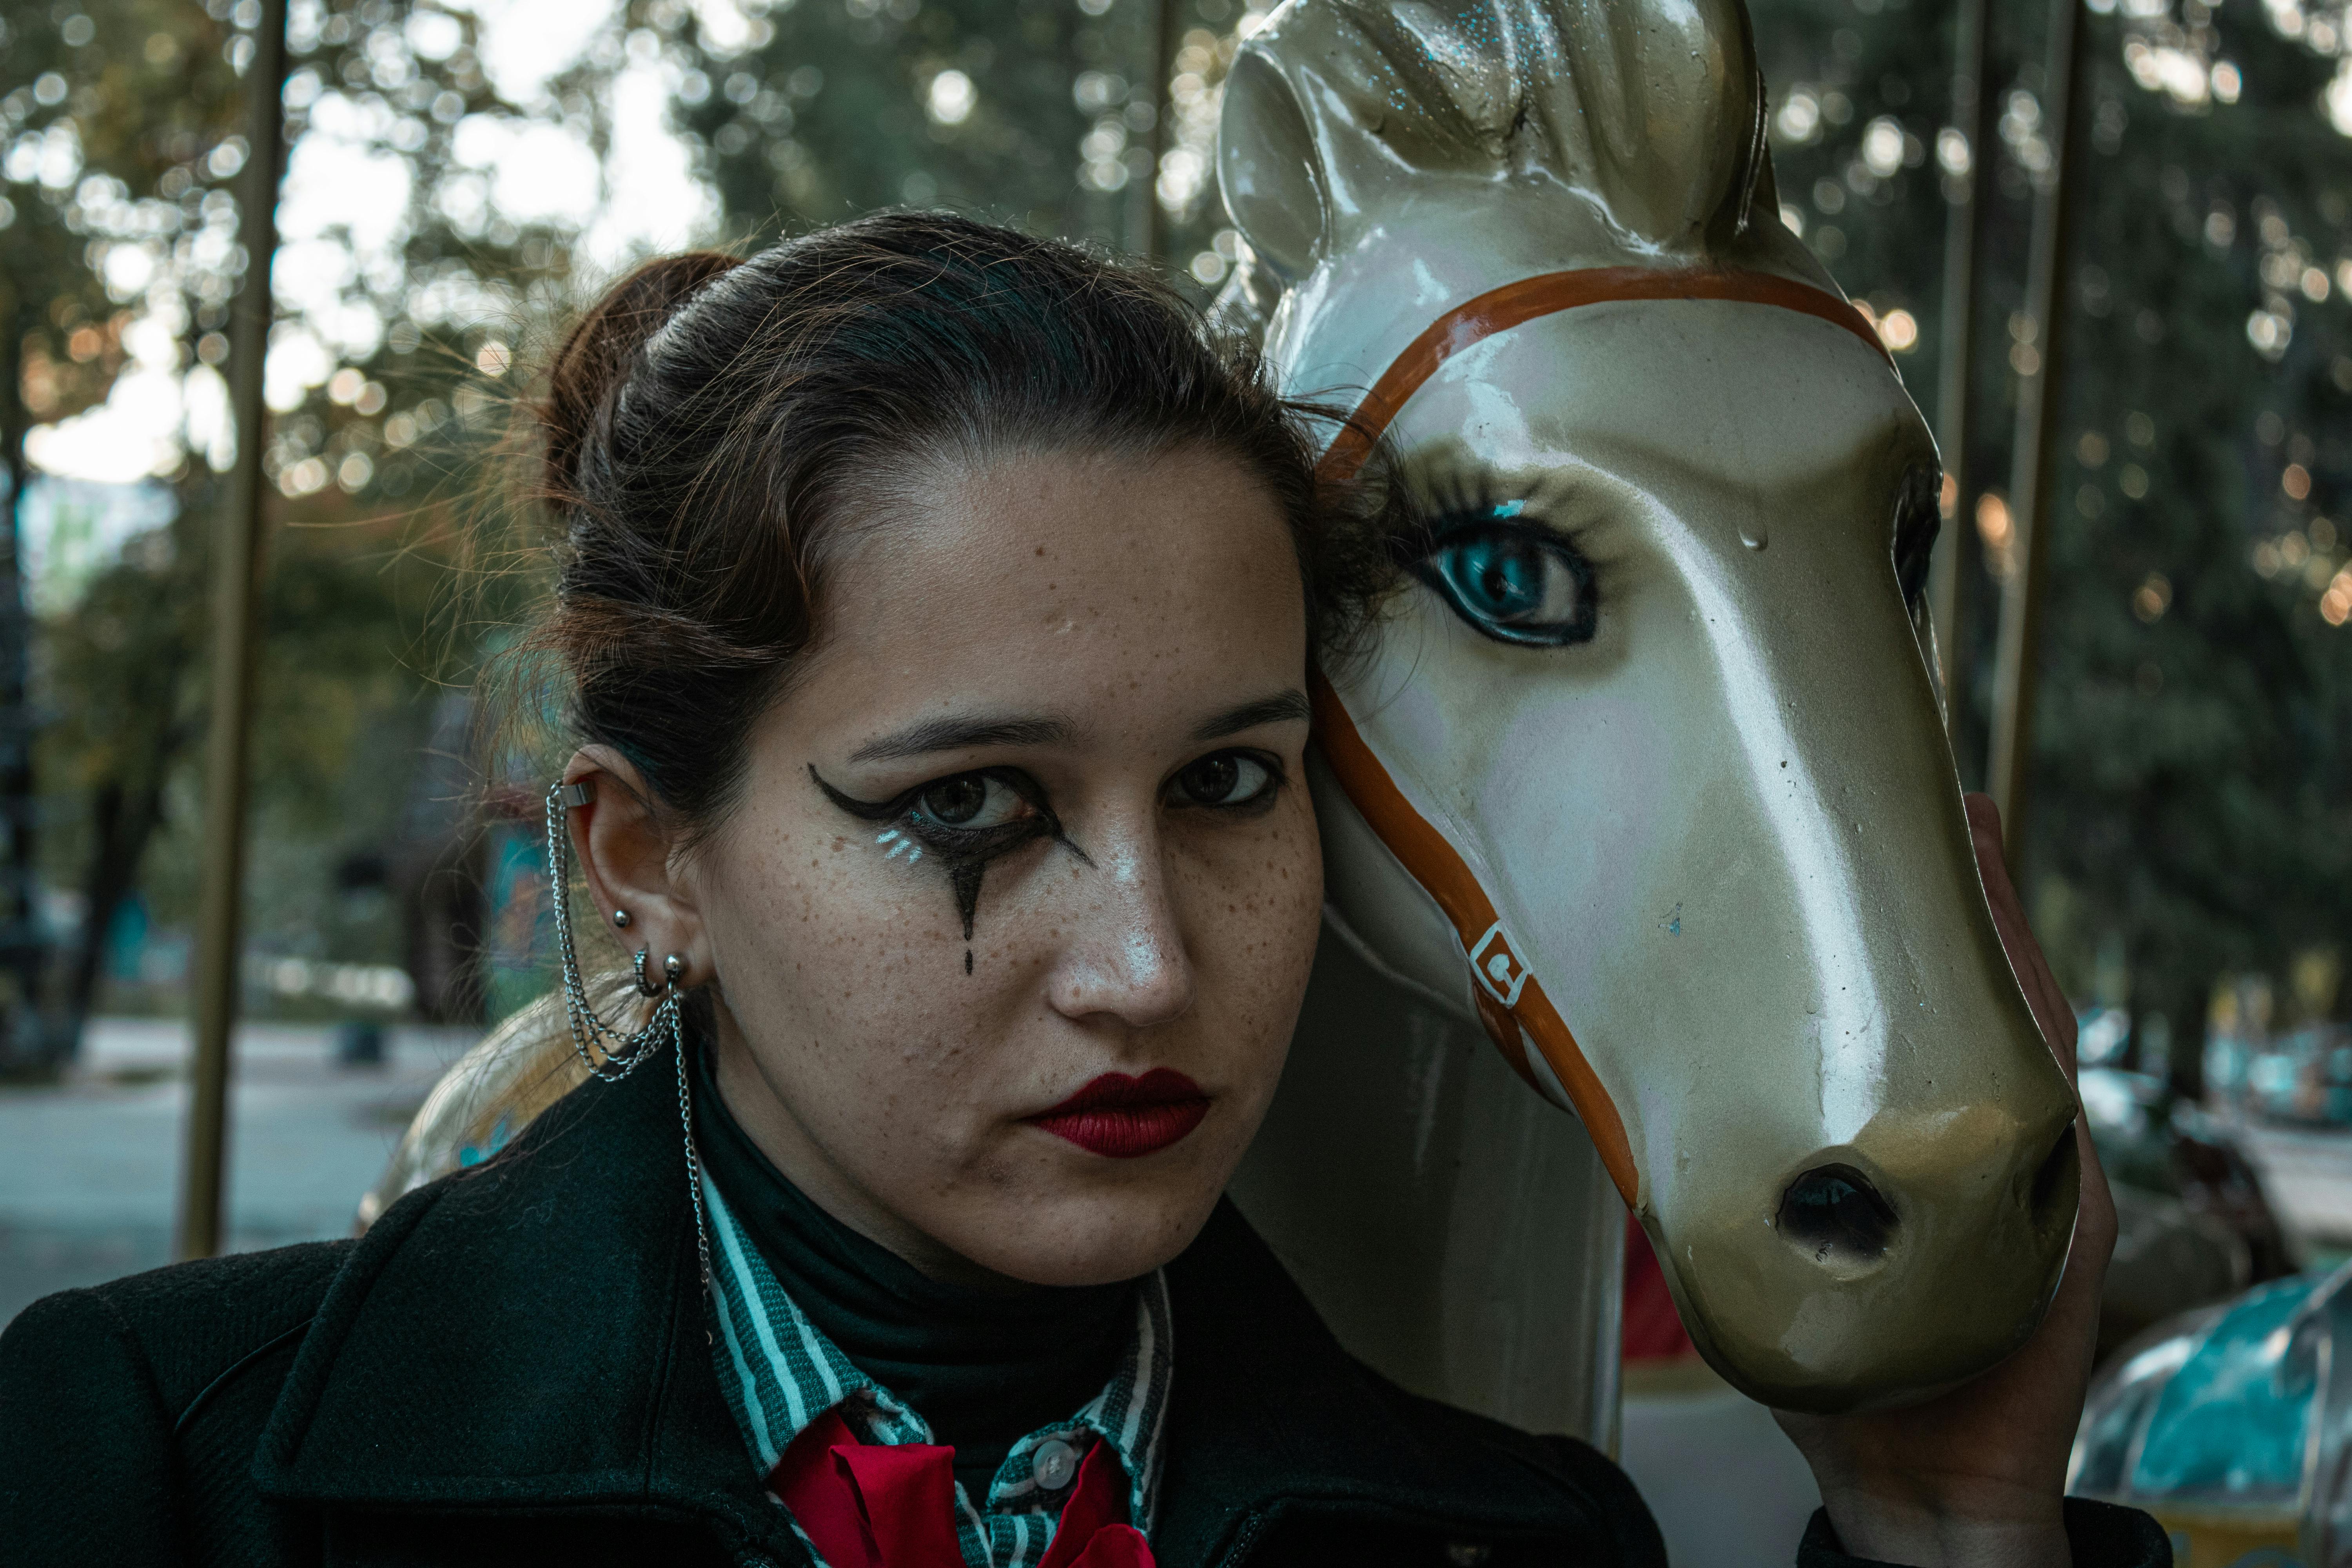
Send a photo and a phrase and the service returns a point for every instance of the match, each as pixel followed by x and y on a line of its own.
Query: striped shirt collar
pixel 779 1374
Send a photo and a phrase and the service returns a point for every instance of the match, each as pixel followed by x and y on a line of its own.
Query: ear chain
pixel 621 1054
pixel 591 1036
pixel 693 1170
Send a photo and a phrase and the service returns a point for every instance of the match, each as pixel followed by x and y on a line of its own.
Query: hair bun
pixel 600 351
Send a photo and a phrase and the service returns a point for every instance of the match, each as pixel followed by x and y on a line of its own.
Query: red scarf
pixel 876 1506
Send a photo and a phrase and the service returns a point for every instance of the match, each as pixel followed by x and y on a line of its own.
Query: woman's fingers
pixel 2095 1223
pixel 2043 994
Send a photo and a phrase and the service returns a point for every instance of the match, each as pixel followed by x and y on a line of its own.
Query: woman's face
pixel 1009 928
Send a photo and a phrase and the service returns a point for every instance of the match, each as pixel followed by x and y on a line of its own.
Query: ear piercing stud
pixel 673 972
pixel 620 918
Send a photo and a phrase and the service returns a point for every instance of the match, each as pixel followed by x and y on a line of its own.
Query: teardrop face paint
pixel 966 819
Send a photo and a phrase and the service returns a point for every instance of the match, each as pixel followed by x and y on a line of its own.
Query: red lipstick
pixel 1124 1117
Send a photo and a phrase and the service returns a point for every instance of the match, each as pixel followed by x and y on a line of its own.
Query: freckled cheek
pixel 1253 909
pixel 849 974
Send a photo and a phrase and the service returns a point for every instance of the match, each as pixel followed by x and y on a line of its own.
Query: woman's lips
pixel 1123 1116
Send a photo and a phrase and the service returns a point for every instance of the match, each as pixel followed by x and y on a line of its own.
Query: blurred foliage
pixel 122 123
pixel 831 111
pixel 125 116
pixel 1038 113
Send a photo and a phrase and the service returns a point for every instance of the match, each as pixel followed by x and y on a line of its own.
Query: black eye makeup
pixel 1503 571
pixel 965 820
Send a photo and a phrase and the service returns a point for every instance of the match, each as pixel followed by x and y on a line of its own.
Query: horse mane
pixel 1632 130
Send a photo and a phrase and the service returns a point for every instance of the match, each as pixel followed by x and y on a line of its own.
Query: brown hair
pixel 708 420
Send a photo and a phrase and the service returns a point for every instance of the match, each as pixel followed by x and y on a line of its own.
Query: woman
pixel 936 608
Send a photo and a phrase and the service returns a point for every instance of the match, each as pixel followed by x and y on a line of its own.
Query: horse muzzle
pixel 1881 1271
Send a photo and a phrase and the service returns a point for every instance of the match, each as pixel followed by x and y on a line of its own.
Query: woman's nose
pixel 1124 953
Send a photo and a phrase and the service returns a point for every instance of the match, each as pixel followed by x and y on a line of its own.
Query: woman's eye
pixel 971 801
pixel 1515 583
pixel 1227 779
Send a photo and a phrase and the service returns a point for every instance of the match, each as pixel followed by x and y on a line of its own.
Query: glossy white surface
pixel 1726 830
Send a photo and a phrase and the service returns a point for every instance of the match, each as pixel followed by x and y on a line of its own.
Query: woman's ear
pixel 626 853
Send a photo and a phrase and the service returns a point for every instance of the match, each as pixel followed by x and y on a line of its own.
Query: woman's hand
pixel 1973 1480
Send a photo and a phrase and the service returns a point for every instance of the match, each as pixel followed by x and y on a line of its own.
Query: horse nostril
pixel 1833 1209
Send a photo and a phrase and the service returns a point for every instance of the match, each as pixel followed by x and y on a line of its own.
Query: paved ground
pixel 89 1170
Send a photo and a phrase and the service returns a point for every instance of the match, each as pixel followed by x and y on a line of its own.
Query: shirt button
pixel 1053 1462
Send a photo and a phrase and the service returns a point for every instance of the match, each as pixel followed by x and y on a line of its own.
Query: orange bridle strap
pixel 1516 304
pixel 1510 998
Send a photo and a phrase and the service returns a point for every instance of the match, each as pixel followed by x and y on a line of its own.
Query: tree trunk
pixel 123 818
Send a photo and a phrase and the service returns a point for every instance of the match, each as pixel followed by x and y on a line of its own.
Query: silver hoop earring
pixel 646 987
pixel 614 1054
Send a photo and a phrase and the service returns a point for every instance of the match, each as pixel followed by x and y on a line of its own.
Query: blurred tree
pixel 86 123
pixel 2194 743
pixel 122 138
pixel 830 110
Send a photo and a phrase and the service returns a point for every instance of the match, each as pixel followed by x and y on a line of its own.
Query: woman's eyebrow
pixel 1279 710
pixel 955 734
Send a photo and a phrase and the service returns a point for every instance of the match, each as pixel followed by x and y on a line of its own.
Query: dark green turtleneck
pixel 984 1369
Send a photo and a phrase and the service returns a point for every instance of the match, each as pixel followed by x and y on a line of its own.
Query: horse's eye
pixel 1919 518
pixel 1513 582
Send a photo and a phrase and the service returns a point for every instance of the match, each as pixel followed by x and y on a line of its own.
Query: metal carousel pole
pixel 2040 406
pixel 1972 117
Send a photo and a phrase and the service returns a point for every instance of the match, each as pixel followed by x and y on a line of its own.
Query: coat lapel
pixel 532 1335
pixel 528 1334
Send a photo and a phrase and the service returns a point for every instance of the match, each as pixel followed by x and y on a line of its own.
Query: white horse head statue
pixel 1645 775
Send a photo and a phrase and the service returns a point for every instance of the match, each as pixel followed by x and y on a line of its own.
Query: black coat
pixel 513 1367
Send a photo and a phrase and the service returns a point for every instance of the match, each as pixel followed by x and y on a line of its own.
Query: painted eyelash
pixel 1473 494
pixel 1450 501
pixel 1446 503
pixel 1464 508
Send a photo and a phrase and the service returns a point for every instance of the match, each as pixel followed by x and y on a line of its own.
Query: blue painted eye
pixel 1514 583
